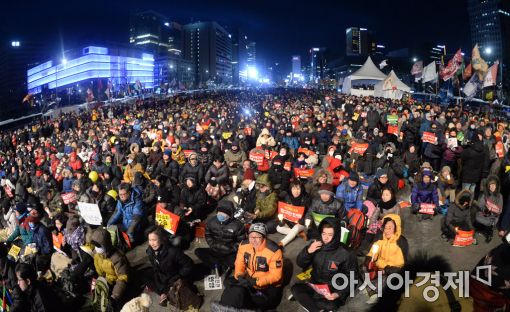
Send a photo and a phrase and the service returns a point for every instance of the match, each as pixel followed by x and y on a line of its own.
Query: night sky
pixel 280 28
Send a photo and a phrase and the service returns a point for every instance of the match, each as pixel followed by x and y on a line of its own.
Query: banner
pixel 169 221
pixel 479 65
pixel 464 238
pixel 90 213
pixel 305 151
pixel 392 119
pixel 303 173
pixel 427 208
pixel 453 66
pixel 429 137
pixel 393 130
pixel 500 151
pixel 257 156
pixel 429 72
pixel 358 148
pixel 492 76
pixel 468 71
pixel 68 198
pixel 472 87
pixel 291 212
pixel 417 68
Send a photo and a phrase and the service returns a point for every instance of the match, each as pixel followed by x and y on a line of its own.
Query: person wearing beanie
pixel 192 168
pixel 326 205
pixel 167 167
pixel 459 216
pixel 234 157
pixel 350 192
pixel 257 279
pixel 424 192
pixel 223 234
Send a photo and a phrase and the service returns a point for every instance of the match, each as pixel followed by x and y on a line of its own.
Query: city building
pixel 296 67
pixel 173 72
pixel 155 33
pixel 437 53
pixel 359 41
pixel 317 64
pixel 94 68
pixel 208 45
pixel 239 56
pixel 252 54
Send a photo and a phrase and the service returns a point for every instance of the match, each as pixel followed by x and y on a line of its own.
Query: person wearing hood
pixel 167 166
pixel 350 192
pixel 278 176
pixel 223 234
pixel 459 216
pixel 178 154
pixel 132 168
pixel 217 178
pixel 192 168
pixel 324 206
pixel 447 185
pixel 424 192
pixel 234 157
pixel 129 211
pixel 193 201
pixel 204 155
pixel 296 196
pixel 472 159
pixel 266 203
pixel 337 169
pixel 490 207
pixel 265 139
pixel 320 177
pixel 327 257
pixel 111 264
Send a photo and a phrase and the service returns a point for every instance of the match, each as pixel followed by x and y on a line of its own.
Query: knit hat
pixel 21 208
pixel 227 207
pixel 381 172
pixel 249 174
pixel 168 152
pixel 259 228
pixel 426 165
pixel 353 176
pixel 326 188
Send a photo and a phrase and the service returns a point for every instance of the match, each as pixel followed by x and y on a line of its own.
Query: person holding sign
pixel 459 216
pixel 424 192
pixel 490 207
pixel 327 257
pixel 298 198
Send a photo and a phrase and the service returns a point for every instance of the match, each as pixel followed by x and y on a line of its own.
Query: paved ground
pixel 422 236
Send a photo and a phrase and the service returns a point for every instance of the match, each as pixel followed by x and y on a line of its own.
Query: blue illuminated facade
pixel 120 66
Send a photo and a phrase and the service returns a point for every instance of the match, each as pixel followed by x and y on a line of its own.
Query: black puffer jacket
pixel 192 171
pixel 169 264
pixel 303 200
pixel 168 169
pixel 473 163
pixel 330 259
pixel 279 176
pixel 224 237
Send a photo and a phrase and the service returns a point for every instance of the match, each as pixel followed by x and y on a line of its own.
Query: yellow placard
pixel 306 275
pixel 14 251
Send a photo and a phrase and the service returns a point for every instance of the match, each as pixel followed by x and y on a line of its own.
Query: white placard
pixel 90 213
pixel 212 282
pixel 452 142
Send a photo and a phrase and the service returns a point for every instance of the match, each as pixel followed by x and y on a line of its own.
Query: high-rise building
pixel 490 29
pixel 209 47
pixel 317 63
pixel 252 53
pixel 239 56
pixel 155 33
pixel 359 41
pixel 437 53
pixel 296 67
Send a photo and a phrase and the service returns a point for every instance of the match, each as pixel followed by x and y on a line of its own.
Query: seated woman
pixel 490 205
pixel 168 263
pixel 424 192
pixel 459 216
pixel 296 197
pixel 217 179
pixel 446 184
pixel 387 205
pixel 389 253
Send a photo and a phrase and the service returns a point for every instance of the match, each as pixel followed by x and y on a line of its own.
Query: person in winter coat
pixel 327 257
pixel 375 190
pixel 53 203
pixel 178 154
pixel 337 169
pixel 412 161
pixel 473 160
pixel 193 200
pixel 110 263
pixel 257 280
pixel 320 177
pixel 459 215
pixel 387 204
pixel 291 141
pixel 22 228
pixel 217 179
pixel 266 203
pixel 296 196
pixel 424 192
pixel 490 207
pixel 223 234
pixel 433 152
pixel 168 263
pixel 234 158
pixel 167 166
pixel 452 152
pixel 350 192
pixel 324 206
pixel 192 168
pixel 129 211
pixel 279 177
pixel 265 139
pixel 204 156
pixel 41 237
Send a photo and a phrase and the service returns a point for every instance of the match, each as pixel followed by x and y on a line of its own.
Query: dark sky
pixel 280 28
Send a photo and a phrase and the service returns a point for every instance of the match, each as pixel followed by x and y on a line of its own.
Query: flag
pixel 452 67
pixel 479 65
pixel 492 76
pixel 429 72
pixel 417 68
pixel 383 64
pixel 468 71
pixel 472 86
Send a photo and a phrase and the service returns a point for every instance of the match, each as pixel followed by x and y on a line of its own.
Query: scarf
pixel 387 205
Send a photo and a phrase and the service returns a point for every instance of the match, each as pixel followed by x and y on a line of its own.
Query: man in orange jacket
pixel 257 277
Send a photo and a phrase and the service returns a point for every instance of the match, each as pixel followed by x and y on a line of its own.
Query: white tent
pixel 367 75
pixel 391 87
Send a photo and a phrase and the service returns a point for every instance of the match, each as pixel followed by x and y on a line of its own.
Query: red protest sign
pixel 500 151
pixel 291 212
pixel 248 131
pixel 464 238
pixel 429 137
pixel 393 130
pixel 358 148
pixel 322 289
pixel 305 151
pixel 187 153
pixel 427 208
pixel 257 156
pixel 69 198
pixel 270 154
pixel 8 191
pixel 287 166
pixel 303 173
pixel 168 220
pixel 492 207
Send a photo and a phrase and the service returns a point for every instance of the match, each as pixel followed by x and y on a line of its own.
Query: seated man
pixel 327 257
pixel 223 235
pixel 350 192
pixel 258 273
pixel 129 211
pixel 458 216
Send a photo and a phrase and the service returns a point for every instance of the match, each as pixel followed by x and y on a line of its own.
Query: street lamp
pixel 415 59
pixel 488 50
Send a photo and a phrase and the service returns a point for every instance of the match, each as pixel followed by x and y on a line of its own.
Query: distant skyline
pixel 280 28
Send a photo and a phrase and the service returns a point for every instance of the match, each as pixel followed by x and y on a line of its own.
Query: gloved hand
pixel 247 282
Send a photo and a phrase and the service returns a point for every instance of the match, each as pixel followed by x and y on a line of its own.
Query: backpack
pixel 356 224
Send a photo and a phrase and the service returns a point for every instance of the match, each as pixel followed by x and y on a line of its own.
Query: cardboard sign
pixel 427 208
pixel 464 238
pixel 212 282
pixel 500 151
pixel 257 157
pixel 393 130
pixel 69 198
pixel 303 173
pixel 492 207
pixel 429 137
pixel 305 151
pixel 355 116
pixel 187 153
pixel 14 251
pixel 322 289
pixel 358 148
pixel 291 212
pixel 169 221
pixel 90 213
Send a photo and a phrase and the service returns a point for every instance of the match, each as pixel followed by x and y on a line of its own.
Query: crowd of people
pixel 242 165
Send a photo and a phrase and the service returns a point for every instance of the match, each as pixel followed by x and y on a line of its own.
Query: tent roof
pixel 392 81
pixel 368 71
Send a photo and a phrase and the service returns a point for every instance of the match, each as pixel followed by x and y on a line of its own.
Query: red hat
pixel 249 174
pixel 326 188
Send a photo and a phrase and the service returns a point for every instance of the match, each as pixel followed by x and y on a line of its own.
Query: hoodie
pixel 491 202
pixel 393 251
